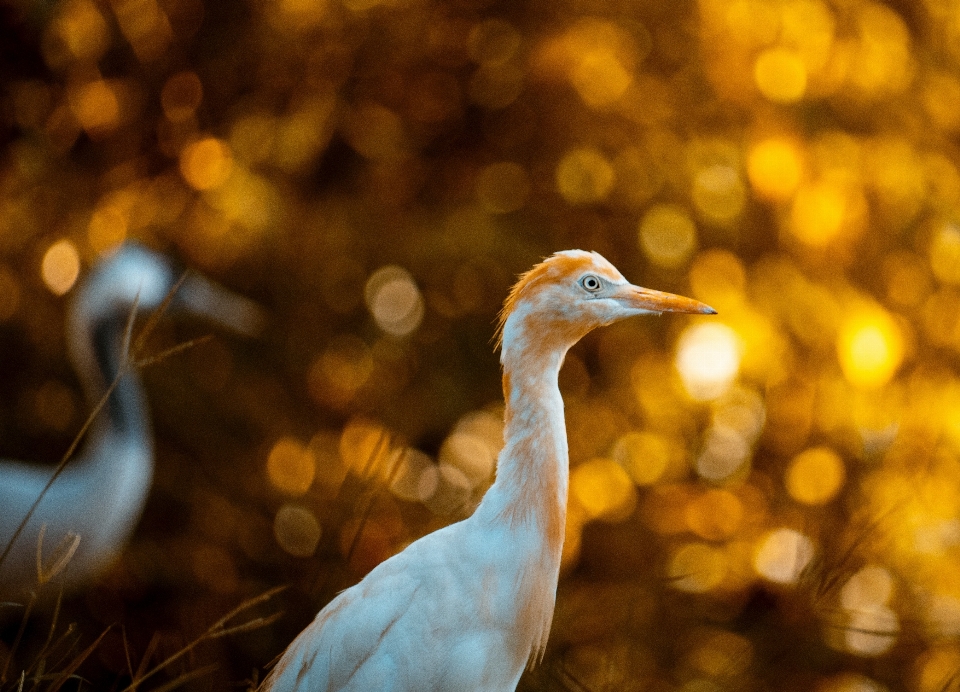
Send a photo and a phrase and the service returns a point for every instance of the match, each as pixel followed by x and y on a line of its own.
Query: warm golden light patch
pixel 809 27
pixel 82 28
pixel 290 466
pixel 775 168
pixel 718 278
pixel 343 368
pixel 780 75
pixel 645 455
pixel 708 359
pixel 416 477
pixel 722 653
pixel 725 453
pixel 296 139
pixel 718 192
pixel 146 26
pixel 941 99
pixel 206 163
pixel 782 555
pixel 815 476
pixel 715 515
pixel 697 567
pixel 471 454
pixel 252 137
pixel 908 276
pixel 937 667
pixel 882 61
pixel 942 177
pixel 598 57
pixel 870 347
pixel 394 300
pixel 249 200
pixel 600 78
pixel 60 266
pixel 297 530
pixel 107 229
pixel 365 449
pixel 869 587
pixel 304 13
pixel 945 253
pixel 818 213
pixel 667 235
pixel 871 631
pixel 96 106
pixel 751 22
pixel 849 682
pixel 603 489
pixel 584 176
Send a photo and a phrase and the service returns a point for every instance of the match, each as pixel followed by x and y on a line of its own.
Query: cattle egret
pixel 469 606
pixel 93 506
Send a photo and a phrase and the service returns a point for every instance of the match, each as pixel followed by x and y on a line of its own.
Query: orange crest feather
pixel 565 264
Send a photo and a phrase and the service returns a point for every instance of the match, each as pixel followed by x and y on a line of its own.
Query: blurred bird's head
pixel 135 275
pixel 572 292
pixel 134 280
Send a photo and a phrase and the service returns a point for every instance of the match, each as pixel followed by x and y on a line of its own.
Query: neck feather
pixel 125 412
pixel 97 354
pixel 533 468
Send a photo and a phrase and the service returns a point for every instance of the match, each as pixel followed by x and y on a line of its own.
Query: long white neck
pixel 528 500
pixel 533 468
pixel 96 350
pixel 100 495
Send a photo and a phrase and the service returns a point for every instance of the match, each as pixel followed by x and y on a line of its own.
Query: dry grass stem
pixel 219 629
pixel 62 555
pixel 130 359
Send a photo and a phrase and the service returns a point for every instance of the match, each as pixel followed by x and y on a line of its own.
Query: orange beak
pixel 658 301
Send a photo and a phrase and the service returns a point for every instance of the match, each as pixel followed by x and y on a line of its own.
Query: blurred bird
pixel 94 504
pixel 469 606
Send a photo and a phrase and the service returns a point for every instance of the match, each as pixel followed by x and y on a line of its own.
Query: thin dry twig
pixel 147 656
pixel 383 444
pixel 153 319
pixel 62 555
pixel 173 350
pixel 219 629
pixel 130 351
pixel 62 465
pixel 130 359
pixel 28 610
pixel 121 371
pixel 186 677
pixel 69 671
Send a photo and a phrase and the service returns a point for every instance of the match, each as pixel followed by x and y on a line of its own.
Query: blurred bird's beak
pixel 204 298
pixel 658 301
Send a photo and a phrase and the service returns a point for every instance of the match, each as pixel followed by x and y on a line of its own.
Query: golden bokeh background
pixel 765 499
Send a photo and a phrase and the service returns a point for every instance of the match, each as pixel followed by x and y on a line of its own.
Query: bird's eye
pixel 591 283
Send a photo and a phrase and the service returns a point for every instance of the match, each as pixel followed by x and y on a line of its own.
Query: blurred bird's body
pixel 469 606
pixel 87 514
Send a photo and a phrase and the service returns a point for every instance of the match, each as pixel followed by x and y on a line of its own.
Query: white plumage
pixel 469 606
pixel 100 494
